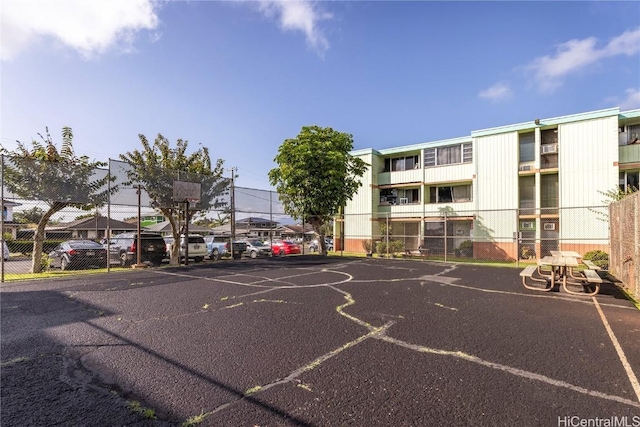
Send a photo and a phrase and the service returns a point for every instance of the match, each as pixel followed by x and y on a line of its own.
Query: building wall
pixel 364 203
pixel 587 167
pixel 496 185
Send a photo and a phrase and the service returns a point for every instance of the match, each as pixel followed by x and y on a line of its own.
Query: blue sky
pixel 241 77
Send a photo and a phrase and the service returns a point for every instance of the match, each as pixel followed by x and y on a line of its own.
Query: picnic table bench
pixel 420 252
pixel 590 264
pixel 562 267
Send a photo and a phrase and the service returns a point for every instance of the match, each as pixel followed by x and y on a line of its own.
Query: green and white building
pixel 514 191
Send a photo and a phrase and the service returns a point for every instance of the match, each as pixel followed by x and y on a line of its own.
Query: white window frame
pixel 431 155
pixel 453 198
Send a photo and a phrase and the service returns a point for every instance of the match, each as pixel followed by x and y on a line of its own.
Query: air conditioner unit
pixel 404 200
pixel 549 226
pixel 524 168
pixel 549 148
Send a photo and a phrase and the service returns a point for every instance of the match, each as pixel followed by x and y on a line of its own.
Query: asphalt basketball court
pixel 315 341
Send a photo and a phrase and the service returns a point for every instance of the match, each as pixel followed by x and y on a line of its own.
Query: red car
pixel 285 247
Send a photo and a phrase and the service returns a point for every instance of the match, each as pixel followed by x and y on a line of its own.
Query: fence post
pixel 2 219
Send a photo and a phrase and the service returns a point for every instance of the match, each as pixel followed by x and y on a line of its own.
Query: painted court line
pixel 380 333
pixel 625 363
pixel 509 369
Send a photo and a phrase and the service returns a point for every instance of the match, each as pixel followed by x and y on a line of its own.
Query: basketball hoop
pixel 186 192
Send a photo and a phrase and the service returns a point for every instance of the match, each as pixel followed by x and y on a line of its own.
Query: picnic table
pixel 561 266
pixel 420 252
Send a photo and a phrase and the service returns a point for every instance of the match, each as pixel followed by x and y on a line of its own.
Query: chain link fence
pixel 59 216
pixel 505 236
pixel 51 204
pixel 625 242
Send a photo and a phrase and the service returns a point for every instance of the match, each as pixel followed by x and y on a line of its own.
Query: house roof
pixel 297 228
pixel 90 223
pixel 225 230
pixel 165 226
pixel 254 220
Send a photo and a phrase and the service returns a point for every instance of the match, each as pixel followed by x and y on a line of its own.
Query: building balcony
pixel 629 153
pixel 400 177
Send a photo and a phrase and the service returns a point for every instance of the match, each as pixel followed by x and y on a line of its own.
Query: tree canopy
pixel 316 175
pixel 157 165
pixel 58 178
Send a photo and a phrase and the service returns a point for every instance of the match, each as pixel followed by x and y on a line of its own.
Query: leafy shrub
pixel 395 246
pixel 466 249
pixel 367 245
pixel 598 257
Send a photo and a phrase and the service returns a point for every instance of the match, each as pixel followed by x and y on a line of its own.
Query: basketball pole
pixel 186 232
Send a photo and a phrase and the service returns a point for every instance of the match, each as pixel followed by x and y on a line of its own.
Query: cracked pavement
pixel 313 341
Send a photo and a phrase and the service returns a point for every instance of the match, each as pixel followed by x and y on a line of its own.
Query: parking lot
pixel 315 341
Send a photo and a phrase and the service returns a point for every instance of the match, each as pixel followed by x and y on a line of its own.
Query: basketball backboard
pixel 184 191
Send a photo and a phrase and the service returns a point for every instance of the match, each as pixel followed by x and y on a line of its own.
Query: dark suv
pixel 124 248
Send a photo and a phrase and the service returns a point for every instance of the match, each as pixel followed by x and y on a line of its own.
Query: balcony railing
pixel 629 153
pixel 400 177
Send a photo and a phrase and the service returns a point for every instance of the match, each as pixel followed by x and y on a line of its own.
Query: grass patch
pixel 195 420
pixel 253 390
pixel 52 274
pixel 137 408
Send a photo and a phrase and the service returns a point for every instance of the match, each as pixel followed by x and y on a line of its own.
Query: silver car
pixel 256 248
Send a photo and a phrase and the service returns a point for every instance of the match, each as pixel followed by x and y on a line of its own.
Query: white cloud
pixel 300 15
pixel 631 100
pixel 575 55
pixel 88 26
pixel 497 92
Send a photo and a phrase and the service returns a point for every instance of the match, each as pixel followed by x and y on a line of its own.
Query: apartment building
pixel 515 191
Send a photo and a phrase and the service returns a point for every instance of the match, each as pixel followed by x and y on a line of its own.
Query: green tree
pixel 614 195
pixel 58 178
pixel 29 216
pixel 316 176
pixel 157 165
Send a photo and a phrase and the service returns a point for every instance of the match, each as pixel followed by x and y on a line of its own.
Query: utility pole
pixel 139 236
pixel 233 211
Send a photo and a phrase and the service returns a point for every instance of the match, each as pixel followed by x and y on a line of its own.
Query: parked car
pixel 197 247
pixel 123 247
pixel 78 254
pixel 256 248
pixel 168 240
pixel 314 246
pixel 285 247
pixel 218 247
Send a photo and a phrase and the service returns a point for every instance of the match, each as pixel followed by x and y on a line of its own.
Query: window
pixel 527 188
pixel 450 194
pixel 527 147
pixel 549 193
pixel 450 155
pixel 400 163
pixel 629 181
pixel 633 133
pixel 549 136
pixel 393 196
